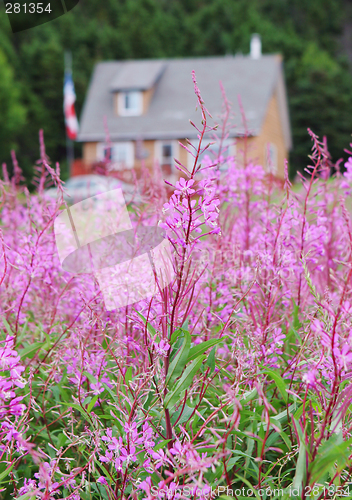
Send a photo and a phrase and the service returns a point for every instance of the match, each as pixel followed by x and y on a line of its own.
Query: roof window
pixel 130 103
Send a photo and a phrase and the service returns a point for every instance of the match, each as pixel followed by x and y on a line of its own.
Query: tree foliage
pixel 12 112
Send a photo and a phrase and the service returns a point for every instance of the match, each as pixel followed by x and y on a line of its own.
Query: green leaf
pixel 300 468
pixel 201 348
pixel 298 412
pixel 248 396
pixel 178 364
pixel 249 450
pixel 75 406
pixel 185 381
pixel 210 362
pixel 296 322
pixel 329 453
pixel 85 496
pixel 32 348
pixel 216 475
pixel 61 440
pixel 128 375
pixel 261 434
pixel 114 396
pixel 151 398
pixel 90 377
pixel 176 346
pixel 149 326
pixel 162 444
pixel 291 337
pixel 232 462
pixel 187 412
pixel 280 384
pixel 241 453
pixel 6 472
pixel 8 328
pixel 249 485
pixel 21 336
pixel 176 335
pixel 280 417
pixel 92 403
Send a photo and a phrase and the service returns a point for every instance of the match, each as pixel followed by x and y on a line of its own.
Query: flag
pixel 69 107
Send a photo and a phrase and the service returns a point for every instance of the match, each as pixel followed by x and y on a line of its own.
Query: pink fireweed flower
pixel 162 348
pixel 118 464
pixel 146 486
pixel 116 444
pixel 130 428
pixel 345 357
pixel 108 436
pixel 128 456
pixel 171 491
pixel 10 431
pixel 177 449
pixel 348 173
pixel 107 458
pixel 132 433
pixel 10 363
pixel 147 464
pixel 30 486
pixel 148 436
pixel 46 473
pixel 318 328
pixel 102 480
pixel 160 458
pixel 310 377
pixel 183 187
pixel 171 204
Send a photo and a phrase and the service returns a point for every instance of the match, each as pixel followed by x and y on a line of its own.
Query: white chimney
pixel 256 46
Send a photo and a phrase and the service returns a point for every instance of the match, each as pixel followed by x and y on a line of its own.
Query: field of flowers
pixel 232 381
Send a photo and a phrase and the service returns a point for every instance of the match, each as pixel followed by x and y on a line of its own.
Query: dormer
pixel 134 85
pixel 130 103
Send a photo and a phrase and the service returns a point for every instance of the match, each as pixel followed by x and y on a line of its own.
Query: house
pixel 147 105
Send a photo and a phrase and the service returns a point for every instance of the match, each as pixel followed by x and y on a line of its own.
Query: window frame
pixel 273 167
pixel 174 154
pixel 229 143
pixel 159 151
pixel 121 103
pixel 115 165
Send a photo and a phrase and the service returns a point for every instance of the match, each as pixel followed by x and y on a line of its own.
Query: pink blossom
pixel 102 480
pixel 183 187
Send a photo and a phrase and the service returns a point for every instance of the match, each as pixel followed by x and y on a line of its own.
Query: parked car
pixel 81 187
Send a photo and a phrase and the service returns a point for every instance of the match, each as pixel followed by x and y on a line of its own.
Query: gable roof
pixel 173 103
pixel 137 75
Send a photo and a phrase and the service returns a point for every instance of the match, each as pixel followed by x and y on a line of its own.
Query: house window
pixel 228 149
pixel 166 154
pixel 271 158
pixel 130 103
pixel 120 154
pixel 107 153
pixel 166 151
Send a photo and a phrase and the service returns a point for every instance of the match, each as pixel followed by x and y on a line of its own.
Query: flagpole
pixel 69 142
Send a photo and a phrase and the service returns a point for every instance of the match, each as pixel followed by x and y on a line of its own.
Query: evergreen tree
pixel 12 112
